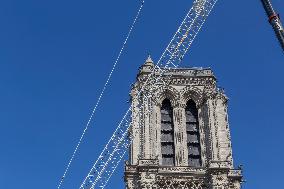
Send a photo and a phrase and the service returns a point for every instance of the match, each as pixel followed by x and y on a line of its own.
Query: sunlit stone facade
pixel 181 136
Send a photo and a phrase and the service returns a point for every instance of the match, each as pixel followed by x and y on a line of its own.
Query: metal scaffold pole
pixel 274 20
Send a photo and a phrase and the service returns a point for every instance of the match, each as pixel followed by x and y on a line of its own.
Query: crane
pixel 274 20
pixel 118 144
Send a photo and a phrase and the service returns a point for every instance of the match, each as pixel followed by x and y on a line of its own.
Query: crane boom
pixel 274 20
pixel 115 149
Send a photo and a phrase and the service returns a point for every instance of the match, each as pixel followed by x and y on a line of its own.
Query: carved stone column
pixel 146 127
pixel 156 134
pixel 135 130
pixel 220 147
pixel 181 157
pixel 203 127
pixel 213 139
pixel 223 133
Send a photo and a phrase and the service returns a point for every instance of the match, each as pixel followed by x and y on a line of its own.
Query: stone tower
pixel 181 137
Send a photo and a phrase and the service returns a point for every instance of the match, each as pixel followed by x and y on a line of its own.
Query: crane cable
pixel 101 94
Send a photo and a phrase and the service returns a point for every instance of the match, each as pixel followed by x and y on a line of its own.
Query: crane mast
pixel 274 20
pixel 117 146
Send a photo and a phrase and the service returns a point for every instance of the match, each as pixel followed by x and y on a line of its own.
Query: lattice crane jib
pixel 117 146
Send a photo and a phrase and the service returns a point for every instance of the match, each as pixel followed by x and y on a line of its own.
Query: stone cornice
pixel 189 72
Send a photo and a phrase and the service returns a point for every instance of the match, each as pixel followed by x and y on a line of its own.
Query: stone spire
pixel 149 61
pixel 147 66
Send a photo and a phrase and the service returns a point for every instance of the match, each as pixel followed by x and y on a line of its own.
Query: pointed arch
pixel 166 92
pixel 194 93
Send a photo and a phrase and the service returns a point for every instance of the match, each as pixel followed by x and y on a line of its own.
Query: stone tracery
pixel 166 92
pixel 149 172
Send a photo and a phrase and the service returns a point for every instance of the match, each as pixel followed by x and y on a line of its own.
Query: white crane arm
pixel 119 143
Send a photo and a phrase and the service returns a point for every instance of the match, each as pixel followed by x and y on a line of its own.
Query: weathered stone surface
pixel 145 168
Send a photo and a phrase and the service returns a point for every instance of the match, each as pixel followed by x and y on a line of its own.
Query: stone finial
pixel 148 66
pixel 149 61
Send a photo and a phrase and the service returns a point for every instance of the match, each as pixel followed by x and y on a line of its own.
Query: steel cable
pixel 101 94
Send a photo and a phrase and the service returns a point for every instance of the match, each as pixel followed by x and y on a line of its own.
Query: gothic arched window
pixel 193 136
pixel 167 134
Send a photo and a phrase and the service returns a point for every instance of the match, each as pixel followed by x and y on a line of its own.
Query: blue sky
pixel 55 57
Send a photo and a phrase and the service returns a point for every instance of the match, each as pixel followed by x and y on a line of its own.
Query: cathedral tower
pixel 181 137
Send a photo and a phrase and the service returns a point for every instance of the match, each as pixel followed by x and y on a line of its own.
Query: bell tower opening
pixel 167 134
pixel 193 135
